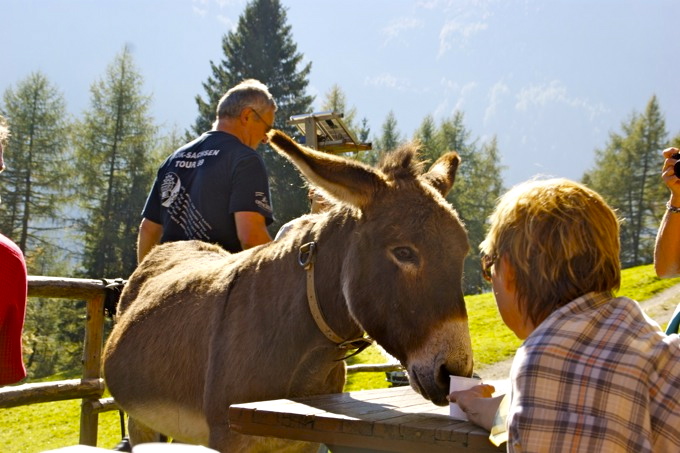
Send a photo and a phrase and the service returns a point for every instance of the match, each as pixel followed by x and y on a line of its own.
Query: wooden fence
pixel 90 387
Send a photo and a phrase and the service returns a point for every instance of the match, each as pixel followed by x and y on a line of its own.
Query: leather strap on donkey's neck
pixel 306 258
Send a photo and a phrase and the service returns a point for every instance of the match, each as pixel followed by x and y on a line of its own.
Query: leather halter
pixel 306 258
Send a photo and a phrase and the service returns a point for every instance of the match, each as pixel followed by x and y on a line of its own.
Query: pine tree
pixel 428 138
pixel 113 144
pixel 676 141
pixel 336 101
pixel 391 137
pixel 262 48
pixel 626 174
pixel 388 141
pixel 32 187
pixel 364 131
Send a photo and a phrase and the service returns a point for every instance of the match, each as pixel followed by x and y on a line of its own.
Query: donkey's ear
pixel 345 180
pixel 442 174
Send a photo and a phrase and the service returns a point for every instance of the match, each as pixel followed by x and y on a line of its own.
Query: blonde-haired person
pixel 13 293
pixel 594 372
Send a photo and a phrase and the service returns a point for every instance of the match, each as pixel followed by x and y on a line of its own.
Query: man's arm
pixel 251 229
pixel 149 235
pixel 667 247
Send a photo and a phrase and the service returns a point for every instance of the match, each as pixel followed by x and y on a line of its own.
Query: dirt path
pixel 659 307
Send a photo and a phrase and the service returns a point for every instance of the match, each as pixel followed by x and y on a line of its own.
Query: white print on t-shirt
pixel 182 210
pixel 190 155
pixel 170 189
pixel 262 202
pixel 197 155
pixel 189 163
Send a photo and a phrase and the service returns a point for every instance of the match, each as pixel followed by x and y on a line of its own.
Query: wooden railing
pixel 91 386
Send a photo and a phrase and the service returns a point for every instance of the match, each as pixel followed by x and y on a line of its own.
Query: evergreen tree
pixel 388 141
pixel 676 141
pixel 428 138
pixel 113 144
pixel 364 131
pixel 36 157
pixel 626 174
pixel 390 138
pixel 336 101
pixel 262 48
pixel 454 136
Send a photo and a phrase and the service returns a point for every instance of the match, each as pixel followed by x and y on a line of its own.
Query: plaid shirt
pixel 596 376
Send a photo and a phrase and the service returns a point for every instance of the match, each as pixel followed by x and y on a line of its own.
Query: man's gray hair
pixel 249 93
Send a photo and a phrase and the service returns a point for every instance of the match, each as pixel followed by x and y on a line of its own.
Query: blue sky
pixel 549 79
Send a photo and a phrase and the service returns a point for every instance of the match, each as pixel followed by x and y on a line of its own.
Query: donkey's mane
pixel 403 162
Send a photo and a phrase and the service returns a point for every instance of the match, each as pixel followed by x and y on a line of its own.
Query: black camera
pixel 676 167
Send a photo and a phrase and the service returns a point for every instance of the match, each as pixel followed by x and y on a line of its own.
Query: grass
pixel 641 283
pixel 366 381
pixel 47 426
pixel 40 427
pixel 492 341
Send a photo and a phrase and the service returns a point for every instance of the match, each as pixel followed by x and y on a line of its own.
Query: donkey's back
pixel 178 289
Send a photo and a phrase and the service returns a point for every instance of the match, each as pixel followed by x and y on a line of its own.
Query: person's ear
pixel 508 271
pixel 244 115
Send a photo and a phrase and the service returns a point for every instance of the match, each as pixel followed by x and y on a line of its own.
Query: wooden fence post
pixel 92 355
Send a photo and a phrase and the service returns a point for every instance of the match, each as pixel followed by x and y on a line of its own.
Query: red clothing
pixel 13 294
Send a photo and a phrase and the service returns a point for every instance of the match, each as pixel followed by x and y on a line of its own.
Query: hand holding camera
pixel 676 167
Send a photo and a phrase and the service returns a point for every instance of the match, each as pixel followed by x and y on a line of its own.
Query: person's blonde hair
pixel 4 131
pixel 561 238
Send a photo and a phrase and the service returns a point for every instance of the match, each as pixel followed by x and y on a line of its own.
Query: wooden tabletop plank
pixel 396 419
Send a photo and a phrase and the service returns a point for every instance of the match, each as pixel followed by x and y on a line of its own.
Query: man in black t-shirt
pixel 215 188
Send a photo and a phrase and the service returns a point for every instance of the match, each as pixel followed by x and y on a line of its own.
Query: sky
pixel 550 80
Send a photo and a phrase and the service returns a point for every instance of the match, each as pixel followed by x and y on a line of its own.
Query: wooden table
pixel 394 419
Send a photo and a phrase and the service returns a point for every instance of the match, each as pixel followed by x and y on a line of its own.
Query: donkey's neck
pixel 279 261
pixel 330 234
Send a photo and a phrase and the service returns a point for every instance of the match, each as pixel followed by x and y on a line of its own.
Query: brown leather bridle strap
pixel 306 257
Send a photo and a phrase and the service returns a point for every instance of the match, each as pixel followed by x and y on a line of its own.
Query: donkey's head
pixel 403 263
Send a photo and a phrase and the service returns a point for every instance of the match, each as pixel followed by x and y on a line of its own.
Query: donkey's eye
pixel 405 254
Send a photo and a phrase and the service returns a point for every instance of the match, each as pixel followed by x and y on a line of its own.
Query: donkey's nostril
pixel 443 377
pixel 458 369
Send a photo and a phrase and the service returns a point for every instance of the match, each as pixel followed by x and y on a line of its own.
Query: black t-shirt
pixel 200 187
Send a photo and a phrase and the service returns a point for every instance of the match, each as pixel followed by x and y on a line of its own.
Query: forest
pixel 74 189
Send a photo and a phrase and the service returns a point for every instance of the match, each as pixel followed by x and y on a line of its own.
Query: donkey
pixel 199 329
